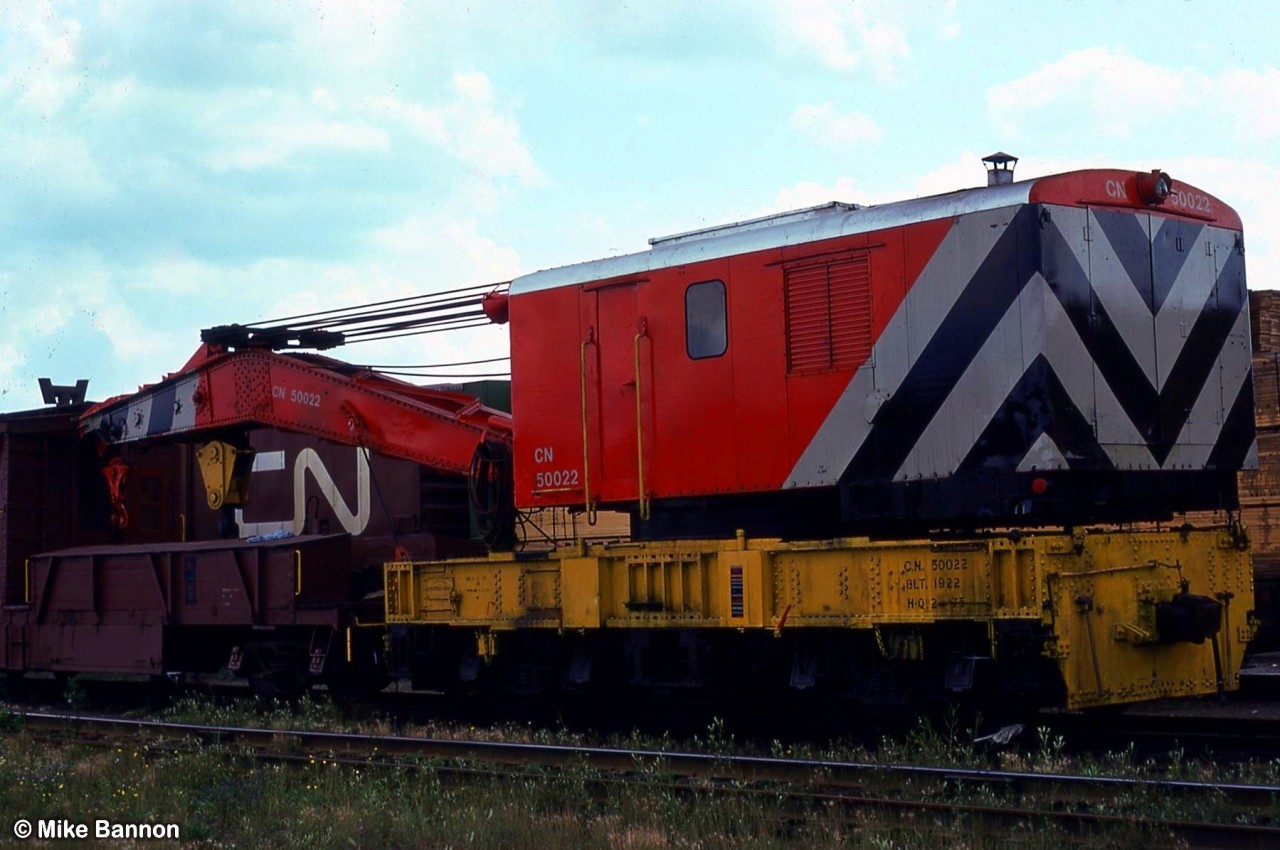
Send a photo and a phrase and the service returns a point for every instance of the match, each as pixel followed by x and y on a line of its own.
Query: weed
pixel 75 694
pixel 1048 757
pixel 9 721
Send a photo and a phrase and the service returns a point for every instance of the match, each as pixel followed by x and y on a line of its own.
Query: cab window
pixel 706 331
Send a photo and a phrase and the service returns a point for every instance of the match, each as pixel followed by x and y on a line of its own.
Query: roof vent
pixel 1000 168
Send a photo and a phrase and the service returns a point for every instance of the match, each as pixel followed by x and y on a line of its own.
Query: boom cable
pixel 382 367
pixel 452 309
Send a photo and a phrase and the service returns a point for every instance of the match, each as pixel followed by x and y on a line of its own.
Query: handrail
pixel 586 445
pixel 644 498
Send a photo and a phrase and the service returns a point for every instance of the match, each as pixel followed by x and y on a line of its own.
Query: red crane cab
pixel 1066 349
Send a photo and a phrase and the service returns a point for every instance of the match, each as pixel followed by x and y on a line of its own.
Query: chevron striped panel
pixel 1046 337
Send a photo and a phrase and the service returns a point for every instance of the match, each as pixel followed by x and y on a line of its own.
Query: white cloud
pixel 845 36
pixel 62 164
pixel 812 194
pixel 275 143
pixel 174 275
pixel 840 35
pixel 78 322
pixel 1101 90
pixel 1252 98
pixel 358 36
pixel 12 361
pixel 47 318
pixel 1114 89
pixel 42 68
pixel 133 340
pixel 821 122
pixel 440 242
pixel 151 191
pixel 470 128
pixel 964 171
pixel 121 336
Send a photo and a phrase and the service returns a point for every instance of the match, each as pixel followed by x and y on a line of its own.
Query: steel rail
pixel 742 767
pixel 827 780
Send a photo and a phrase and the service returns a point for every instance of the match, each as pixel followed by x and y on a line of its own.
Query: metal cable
pixel 285 321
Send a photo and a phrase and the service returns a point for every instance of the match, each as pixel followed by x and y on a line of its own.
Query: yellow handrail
pixel 586 446
pixel 297 570
pixel 644 498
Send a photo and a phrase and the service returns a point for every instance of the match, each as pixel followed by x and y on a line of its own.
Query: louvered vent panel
pixel 849 284
pixel 829 315
pixel 808 319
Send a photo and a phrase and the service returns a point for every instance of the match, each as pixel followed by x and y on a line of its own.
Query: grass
pixel 943 742
pixel 221 799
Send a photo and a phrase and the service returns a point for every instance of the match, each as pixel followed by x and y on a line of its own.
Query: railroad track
pixel 1245 726
pixel 1243 815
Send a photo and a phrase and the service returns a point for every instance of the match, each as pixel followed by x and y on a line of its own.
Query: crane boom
pixel 305 393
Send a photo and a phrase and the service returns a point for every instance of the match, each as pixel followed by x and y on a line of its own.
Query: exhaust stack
pixel 999 168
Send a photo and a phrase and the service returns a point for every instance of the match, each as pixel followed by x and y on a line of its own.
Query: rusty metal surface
pixel 140 600
pixel 119 609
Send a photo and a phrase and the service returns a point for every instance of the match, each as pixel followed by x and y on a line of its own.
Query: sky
pixel 167 167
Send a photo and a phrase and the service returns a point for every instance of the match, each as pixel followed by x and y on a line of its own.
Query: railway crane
pixel 898 453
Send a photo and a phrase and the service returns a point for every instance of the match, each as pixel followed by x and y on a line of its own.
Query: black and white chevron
pixel 1054 338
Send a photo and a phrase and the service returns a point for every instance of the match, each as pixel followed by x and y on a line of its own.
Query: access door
pixel 614 443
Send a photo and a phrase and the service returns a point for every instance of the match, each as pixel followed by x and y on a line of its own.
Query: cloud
pixel 821 122
pixel 134 324
pixel 471 128
pixel 220 132
pixel 133 339
pixel 177 275
pixel 811 194
pixel 1183 119
pixel 839 35
pixel 427 243
pixel 1108 91
pixel 41 72
pixel 845 36
pixel 12 361
pixel 71 317
pixel 169 168
pixel 1252 99
pixel 276 143
pixel 963 172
